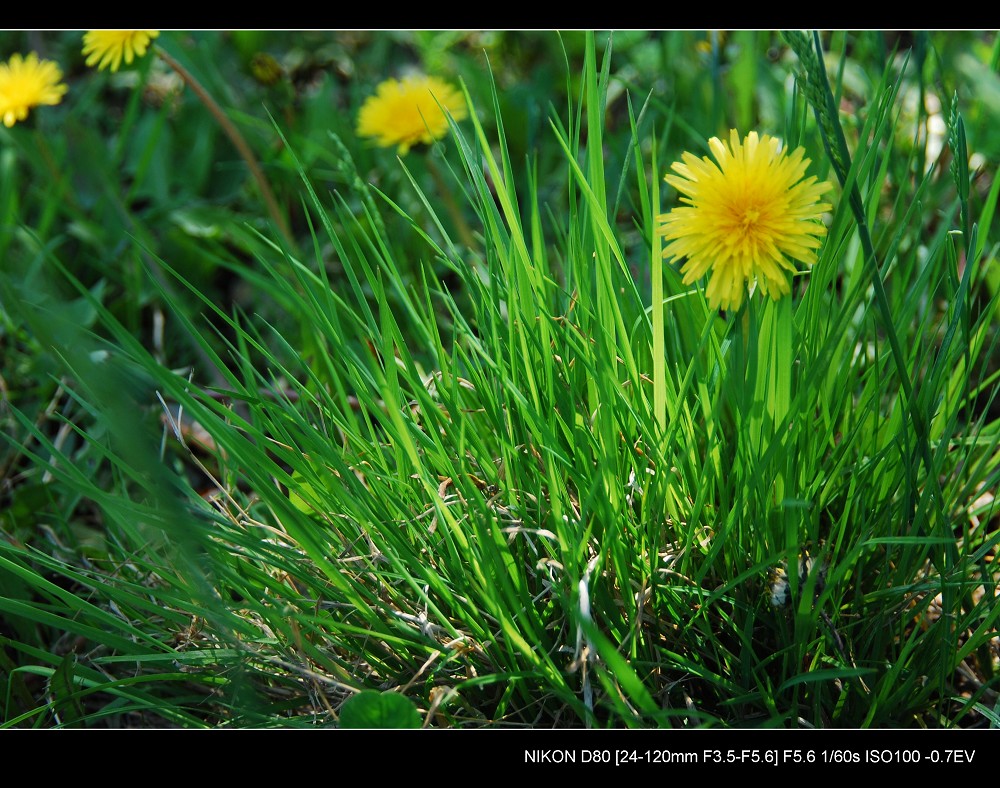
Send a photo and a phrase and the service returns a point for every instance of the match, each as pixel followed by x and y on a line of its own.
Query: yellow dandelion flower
pixel 107 48
pixel 409 111
pixel 747 217
pixel 705 45
pixel 27 82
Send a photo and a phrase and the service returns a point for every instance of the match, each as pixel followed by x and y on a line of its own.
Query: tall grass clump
pixel 520 487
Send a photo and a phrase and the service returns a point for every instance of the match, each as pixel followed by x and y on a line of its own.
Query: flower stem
pixel 464 233
pixel 235 137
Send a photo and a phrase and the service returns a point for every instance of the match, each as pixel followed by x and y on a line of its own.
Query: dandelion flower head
pixel 409 111
pixel 746 217
pixel 107 48
pixel 27 82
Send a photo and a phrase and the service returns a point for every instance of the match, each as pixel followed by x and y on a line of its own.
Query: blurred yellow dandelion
pixel 107 48
pixel 410 111
pixel 747 216
pixel 27 82
pixel 714 39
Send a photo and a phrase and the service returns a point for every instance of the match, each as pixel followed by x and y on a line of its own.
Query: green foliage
pixel 462 449
pixel 370 709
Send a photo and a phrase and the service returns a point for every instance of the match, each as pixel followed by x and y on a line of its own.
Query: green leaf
pixel 65 699
pixel 373 709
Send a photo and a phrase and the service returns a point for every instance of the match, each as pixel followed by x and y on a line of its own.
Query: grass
pixel 466 437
